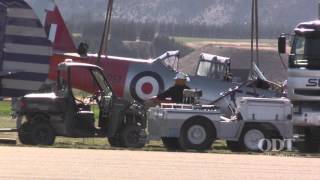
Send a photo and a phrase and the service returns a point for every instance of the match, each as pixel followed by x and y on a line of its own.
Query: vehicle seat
pixel 85 120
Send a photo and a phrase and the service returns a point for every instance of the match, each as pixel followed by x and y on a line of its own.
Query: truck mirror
pixel 282 44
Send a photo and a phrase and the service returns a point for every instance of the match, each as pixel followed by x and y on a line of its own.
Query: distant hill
pixel 210 12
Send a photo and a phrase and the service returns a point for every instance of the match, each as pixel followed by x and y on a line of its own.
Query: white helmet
pixel 181 75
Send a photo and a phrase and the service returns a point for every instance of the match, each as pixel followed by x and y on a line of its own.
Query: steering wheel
pixel 81 103
pixel 96 96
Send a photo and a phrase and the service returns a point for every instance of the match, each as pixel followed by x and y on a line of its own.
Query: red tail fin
pixel 54 24
pixel 58 32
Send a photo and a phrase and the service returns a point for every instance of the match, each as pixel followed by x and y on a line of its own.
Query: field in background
pixel 195 39
pixel 244 43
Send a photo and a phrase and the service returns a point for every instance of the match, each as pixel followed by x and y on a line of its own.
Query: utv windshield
pixel 305 52
pixel 101 82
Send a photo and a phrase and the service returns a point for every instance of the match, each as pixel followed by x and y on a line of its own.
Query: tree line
pixel 160 33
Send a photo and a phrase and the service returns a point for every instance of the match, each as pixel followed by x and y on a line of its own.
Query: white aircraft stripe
pixel 28 49
pixel 27 67
pixel 21 13
pixel 25 31
pixel 21 84
pixel 53 32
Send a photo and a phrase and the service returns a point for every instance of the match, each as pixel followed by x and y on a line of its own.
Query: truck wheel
pixel 197 134
pixel 115 142
pixel 132 136
pixel 251 137
pixel 171 143
pixel 24 134
pixel 235 146
pixel 42 134
pixel 311 144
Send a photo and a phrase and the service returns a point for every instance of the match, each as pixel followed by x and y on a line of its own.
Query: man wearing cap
pixel 176 91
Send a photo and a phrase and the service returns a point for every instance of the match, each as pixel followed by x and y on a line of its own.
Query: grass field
pixel 197 40
pixel 198 43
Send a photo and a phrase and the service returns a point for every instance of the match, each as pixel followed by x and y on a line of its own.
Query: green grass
pixel 5 108
pixel 5 115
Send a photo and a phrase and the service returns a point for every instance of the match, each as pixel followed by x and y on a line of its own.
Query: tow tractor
pixel 304 82
pixel 195 126
pixel 43 116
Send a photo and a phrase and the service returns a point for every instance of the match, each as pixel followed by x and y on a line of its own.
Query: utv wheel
pixel 132 136
pixel 234 146
pixel 197 134
pixel 24 134
pixel 171 143
pixel 42 134
pixel 251 138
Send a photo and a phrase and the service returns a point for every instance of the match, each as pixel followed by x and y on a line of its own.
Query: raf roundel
pixel 145 85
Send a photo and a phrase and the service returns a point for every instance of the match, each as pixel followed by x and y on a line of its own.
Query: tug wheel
pixel 251 137
pixel 197 134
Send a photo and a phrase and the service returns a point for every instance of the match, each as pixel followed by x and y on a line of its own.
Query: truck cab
pixel 304 63
pixel 304 81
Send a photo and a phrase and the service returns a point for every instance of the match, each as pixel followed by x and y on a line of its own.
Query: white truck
pixel 191 126
pixel 304 82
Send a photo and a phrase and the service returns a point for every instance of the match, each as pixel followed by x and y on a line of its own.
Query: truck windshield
pixel 305 53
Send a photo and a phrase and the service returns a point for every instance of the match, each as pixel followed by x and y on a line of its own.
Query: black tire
pixel 42 134
pixel 132 136
pixel 206 134
pixel 115 142
pixel 171 143
pixel 235 146
pixel 244 144
pixel 311 143
pixel 24 134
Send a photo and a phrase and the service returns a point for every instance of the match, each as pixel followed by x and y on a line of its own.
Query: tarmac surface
pixel 52 163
